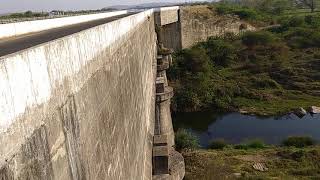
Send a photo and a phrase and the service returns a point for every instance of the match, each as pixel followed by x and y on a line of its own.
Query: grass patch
pixel 282 163
pixel 218 144
pixel 298 141
pixel 254 144
pixel 185 140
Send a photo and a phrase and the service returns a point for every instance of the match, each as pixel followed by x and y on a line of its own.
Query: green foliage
pixel 27 14
pixel 283 163
pixel 302 37
pixel 313 20
pixel 241 146
pixel 193 69
pixel 298 141
pixel 217 144
pixel 185 140
pixel 248 14
pixel 220 51
pixel 258 38
pixel 242 12
pixel 254 144
pixel 265 82
pixel 295 21
pixel 265 72
pixel 224 9
pixel 279 6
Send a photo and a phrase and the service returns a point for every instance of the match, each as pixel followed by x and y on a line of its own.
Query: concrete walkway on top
pixel 18 43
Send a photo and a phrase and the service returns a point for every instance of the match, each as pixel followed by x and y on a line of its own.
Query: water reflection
pixel 237 128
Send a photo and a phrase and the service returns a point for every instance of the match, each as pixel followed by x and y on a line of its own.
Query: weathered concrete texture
pixel 176 165
pixel 198 23
pixel 166 127
pixel 166 15
pixel 93 115
pixel 170 35
pixel 116 111
pixel 33 161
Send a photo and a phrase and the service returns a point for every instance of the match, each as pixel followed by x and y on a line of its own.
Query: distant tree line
pixel 277 5
pixel 30 14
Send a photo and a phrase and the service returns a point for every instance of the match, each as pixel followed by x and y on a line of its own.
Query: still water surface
pixel 237 128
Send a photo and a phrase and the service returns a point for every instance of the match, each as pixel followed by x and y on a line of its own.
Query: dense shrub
pixel 258 38
pixel 248 14
pixel 221 52
pixel 254 144
pixel 26 14
pixel 194 69
pixel 296 21
pixel 313 20
pixel 217 144
pixel 241 146
pixel 224 9
pixel 195 60
pixel 185 140
pixel 264 82
pixel 298 141
pixel 242 12
pixel 302 37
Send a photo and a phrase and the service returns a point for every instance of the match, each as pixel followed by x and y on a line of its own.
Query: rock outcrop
pixel 314 110
pixel 300 112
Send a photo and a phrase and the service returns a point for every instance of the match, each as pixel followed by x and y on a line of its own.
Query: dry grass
pixel 282 163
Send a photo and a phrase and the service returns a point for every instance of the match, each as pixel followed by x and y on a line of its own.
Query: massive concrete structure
pixel 89 101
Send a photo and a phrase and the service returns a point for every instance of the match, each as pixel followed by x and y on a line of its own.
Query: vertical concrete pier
pixel 167 163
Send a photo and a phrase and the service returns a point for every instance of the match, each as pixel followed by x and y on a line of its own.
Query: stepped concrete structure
pixel 87 97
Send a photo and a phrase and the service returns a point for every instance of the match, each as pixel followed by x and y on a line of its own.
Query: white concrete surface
pixel 168 15
pixel 20 28
pixel 29 78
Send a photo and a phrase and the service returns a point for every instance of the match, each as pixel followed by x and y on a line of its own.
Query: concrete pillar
pixel 164 95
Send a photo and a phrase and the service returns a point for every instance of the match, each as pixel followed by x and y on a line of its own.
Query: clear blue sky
pixel 47 5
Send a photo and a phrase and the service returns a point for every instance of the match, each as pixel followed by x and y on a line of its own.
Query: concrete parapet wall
pixel 81 107
pixel 20 28
pixel 198 23
pixel 167 15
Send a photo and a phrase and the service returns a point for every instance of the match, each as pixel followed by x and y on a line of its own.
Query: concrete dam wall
pixel 94 104
pixel 81 107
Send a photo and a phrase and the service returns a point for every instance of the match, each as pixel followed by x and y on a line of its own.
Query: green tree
pixel 311 4
pixel 251 39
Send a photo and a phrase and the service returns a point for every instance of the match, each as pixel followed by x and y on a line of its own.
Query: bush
pixel 254 144
pixel 217 144
pixel 303 37
pixel 298 141
pixel 258 38
pixel 220 51
pixel 241 146
pixel 248 14
pixel 296 21
pixel 313 20
pixel 264 82
pixel 196 60
pixel 241 12
pixel 224 9
pixel 185 140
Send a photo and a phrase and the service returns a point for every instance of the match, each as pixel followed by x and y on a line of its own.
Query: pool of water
pixel 237 128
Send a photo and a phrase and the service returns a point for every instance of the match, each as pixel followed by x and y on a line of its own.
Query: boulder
pixel 300 112
pixel 314 110
pixel 242 111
